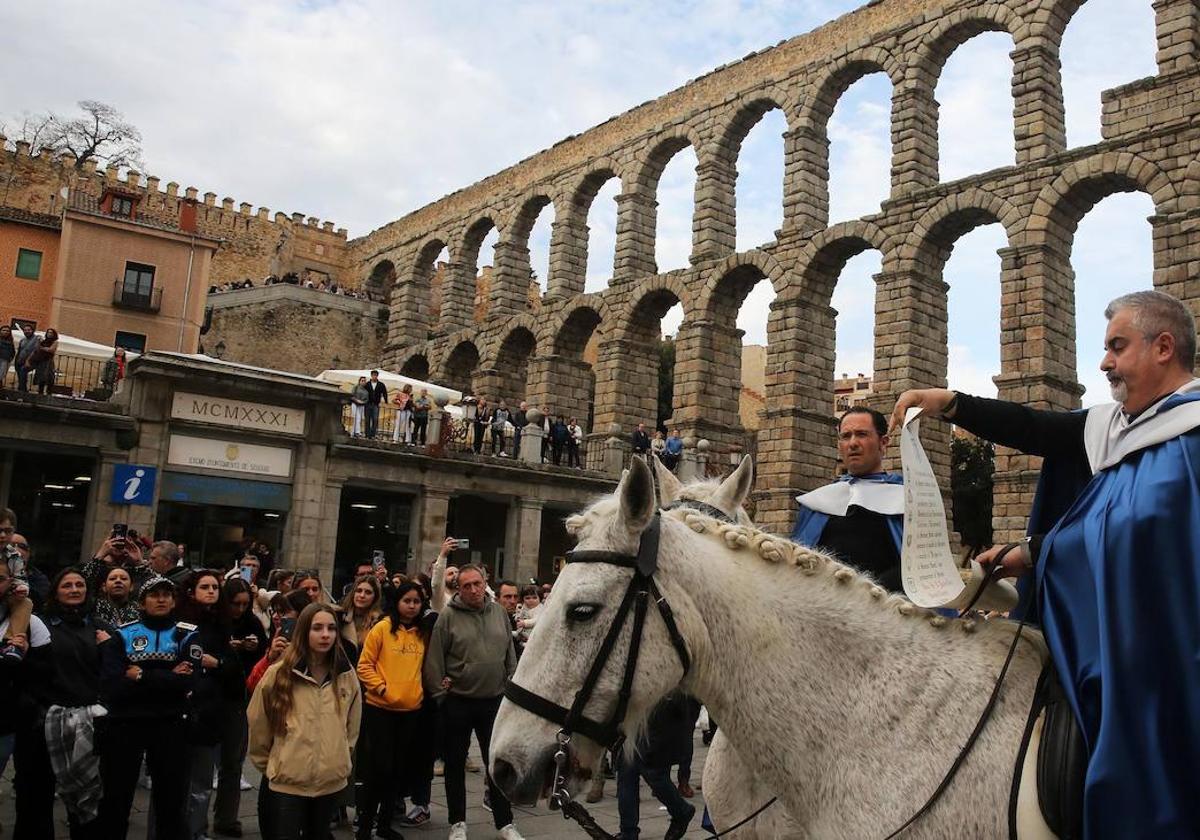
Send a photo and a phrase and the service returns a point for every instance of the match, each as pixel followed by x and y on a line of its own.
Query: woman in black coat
pixel 64 701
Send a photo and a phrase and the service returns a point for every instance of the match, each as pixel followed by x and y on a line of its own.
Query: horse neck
pixel 772 642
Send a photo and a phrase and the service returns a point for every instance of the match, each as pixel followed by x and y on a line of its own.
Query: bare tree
pixel 99 133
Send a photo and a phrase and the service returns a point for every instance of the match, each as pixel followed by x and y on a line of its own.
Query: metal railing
pixel 123 297
pixel 73 376
pixel 460 437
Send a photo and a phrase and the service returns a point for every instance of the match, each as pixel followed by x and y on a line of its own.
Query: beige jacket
pixel 313 757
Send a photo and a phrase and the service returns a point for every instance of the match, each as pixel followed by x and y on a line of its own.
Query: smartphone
pixel 286 627
pixel 377 560
pixel 247 573
pixel 463 544
pixel 120 530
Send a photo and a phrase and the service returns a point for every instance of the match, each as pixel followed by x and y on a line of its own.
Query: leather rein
pixel 636 602
pixel 642 588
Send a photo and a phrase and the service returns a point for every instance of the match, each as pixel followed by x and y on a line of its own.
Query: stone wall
pixel 1150 145
pixel 254 243
pixel 291 328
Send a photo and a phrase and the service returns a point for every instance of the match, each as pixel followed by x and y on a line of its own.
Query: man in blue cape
pixel 859 517
pixel 1115 547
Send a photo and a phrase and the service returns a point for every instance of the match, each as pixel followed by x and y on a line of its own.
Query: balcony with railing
pixel 149 300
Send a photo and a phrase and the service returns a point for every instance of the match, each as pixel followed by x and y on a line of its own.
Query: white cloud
pixel 360 111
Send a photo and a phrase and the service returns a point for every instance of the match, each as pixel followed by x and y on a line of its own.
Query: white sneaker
pixel 458 831
pixel 244 785
pixel 509 832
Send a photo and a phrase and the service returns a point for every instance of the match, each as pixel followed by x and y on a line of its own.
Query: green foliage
pixel 972 464
pixel 666 381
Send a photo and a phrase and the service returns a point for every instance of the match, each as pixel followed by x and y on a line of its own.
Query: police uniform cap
pixel 155 582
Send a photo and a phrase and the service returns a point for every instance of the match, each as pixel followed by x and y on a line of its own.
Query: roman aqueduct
pixel 1149 144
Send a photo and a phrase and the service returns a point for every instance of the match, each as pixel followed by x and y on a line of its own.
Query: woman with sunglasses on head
pixel 218 679
pixel 304 719
pixel 396 726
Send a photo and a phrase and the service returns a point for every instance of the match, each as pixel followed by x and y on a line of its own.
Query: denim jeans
pixel 630 772
pixel 372 414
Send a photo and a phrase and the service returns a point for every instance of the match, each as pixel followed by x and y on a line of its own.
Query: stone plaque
pixel 239 414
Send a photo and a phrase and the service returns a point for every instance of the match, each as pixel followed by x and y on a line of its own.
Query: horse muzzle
pixel 524 779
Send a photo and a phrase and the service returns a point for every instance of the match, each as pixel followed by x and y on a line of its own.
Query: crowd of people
pixel 494 430
pixel 134 666
pixel 305 279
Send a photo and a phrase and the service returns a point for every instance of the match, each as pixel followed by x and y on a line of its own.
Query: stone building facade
pixel 254 242
pixel 1150 144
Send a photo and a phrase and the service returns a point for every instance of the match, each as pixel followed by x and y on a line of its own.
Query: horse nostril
pixel 505 776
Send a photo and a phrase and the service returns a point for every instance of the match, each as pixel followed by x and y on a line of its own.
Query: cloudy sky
pixel 363 110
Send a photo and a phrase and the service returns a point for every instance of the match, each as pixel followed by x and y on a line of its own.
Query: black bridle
pixel 637 595
pixel 641 590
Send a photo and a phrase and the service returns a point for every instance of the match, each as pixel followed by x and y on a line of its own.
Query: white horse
pixel 847 702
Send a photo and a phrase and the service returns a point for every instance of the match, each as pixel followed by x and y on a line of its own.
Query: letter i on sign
pixel 132 485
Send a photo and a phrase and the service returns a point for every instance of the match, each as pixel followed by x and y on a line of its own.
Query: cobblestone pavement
pixel 532 822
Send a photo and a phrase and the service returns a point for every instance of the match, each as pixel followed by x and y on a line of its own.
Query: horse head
pixel 589 599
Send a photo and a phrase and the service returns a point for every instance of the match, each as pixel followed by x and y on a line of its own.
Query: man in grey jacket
pixel 470 657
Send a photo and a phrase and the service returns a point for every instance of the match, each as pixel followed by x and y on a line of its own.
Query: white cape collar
pixel 836 498
pixel 1110 437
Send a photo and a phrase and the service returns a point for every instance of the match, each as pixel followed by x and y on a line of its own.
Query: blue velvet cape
pixel 810 523
pixel 1119 596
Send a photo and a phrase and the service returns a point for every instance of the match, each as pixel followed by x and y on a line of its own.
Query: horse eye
pixel 582 612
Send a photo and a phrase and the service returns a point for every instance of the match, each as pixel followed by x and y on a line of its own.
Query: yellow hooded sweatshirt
pixel 389 667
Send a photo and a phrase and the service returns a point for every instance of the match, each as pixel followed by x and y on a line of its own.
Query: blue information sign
pixel 133 484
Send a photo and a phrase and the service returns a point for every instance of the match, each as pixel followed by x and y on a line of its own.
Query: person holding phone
pixel 145 680
pixel 248 642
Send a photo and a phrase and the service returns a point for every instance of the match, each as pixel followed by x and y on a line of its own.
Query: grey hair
pixel 169 548
pixel 1155 313
pixel 473 567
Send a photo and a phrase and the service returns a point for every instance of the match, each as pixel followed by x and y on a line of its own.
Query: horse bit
pixel 641 588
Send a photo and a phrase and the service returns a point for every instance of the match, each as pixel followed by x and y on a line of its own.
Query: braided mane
pixel 812 562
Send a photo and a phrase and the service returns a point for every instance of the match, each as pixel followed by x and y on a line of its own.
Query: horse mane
pixel 811 562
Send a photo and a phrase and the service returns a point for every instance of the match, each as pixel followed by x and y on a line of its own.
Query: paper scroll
pixel 927 567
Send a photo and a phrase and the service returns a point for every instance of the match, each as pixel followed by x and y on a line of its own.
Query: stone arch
pixel 523 222
pixel 714 232
pixel 1062 203
pixel 416 366
pixel 570 333
pixel 645 300
pixel 460 365
pixel 381 280
pixel 757 263
pixel 955 29
pixel 822 260
pixel 1049 20
pixel 505 373
pixel 806 204
pixel 637 238
pixel 415 306
pixel 842 75
pixel 569 244
pixel 460 286
pixel 935 232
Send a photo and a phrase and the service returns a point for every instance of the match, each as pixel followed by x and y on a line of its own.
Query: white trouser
pixel 356 419
pixel 403 416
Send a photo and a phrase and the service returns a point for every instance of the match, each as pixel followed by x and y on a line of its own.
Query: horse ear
pixel 668 485
pixel 734 490
pixel 636 492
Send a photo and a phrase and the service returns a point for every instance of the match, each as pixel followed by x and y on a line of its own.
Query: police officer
pixel 145 682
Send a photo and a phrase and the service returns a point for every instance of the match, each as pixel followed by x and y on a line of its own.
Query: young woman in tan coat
pixel 304 719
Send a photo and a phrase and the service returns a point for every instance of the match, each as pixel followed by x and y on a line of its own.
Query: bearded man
pixel 1115 549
